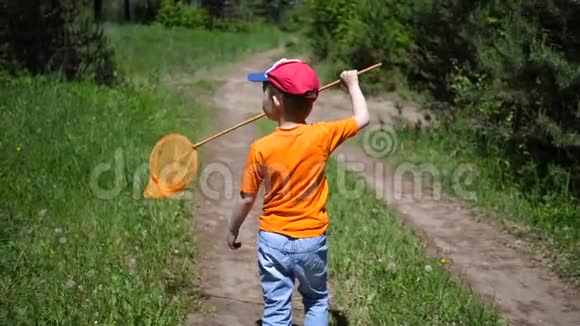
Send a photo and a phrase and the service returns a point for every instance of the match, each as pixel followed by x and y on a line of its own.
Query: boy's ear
pixel 276 100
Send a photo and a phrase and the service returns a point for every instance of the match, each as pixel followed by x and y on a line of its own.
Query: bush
pixel 510 70
pixel 54 36
pixel 441 43
pixel 329 24
pixel 176 14
pixel 529 97
pixel 295 19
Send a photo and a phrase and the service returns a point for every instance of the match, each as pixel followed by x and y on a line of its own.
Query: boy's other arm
pixel 239 214
pixel 251 180
pixel 359 104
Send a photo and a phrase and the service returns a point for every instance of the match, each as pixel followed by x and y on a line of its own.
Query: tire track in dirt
pixel 229 278
pixel 526 292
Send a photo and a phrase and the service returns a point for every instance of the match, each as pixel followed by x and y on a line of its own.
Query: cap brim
pixel 257 77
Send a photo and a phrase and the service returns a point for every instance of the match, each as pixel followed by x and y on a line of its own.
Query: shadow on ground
pixel 338 319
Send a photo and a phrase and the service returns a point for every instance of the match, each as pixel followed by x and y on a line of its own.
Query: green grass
pixel 378 266
pixel 78 250
pixel 550 224
pixel 67 249
pixel 145 51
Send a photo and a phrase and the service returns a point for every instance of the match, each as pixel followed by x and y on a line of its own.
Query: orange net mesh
pixel 172 166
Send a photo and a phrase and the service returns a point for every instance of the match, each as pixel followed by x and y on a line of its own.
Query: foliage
pixel 220 15
pixel 176 14
pixel 139 11
pixel 512 70
pixel 267 10
pixel 360 33
pixel 328 25
pixel 54 36
pixel 294 19
pixel 441 44
pixel 528 100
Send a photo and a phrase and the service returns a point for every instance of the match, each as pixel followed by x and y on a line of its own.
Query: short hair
pixel 295 104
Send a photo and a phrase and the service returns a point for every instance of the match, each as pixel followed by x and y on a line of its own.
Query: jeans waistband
pixel 291 245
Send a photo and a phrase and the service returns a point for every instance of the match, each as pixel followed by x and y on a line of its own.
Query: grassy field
pixel 78 243
pixel 550 224
pixel 156 51
pixel 379 269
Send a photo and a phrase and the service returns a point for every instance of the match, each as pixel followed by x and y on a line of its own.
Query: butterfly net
pixel 172 166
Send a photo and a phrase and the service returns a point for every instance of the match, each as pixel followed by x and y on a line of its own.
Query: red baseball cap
pixel 292 76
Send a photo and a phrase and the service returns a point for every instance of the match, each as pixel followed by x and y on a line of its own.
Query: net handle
pixel 259 116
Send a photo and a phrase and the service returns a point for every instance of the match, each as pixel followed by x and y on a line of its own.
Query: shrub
pixel 440 44
pixel 535 90
pixel 54 36
pixel 329 22
pixel 510 70
pixel 176 14
pixel 295 18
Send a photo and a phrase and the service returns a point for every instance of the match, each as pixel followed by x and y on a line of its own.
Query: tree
pixel 54 36
pixel 127 9
pixel 215 8
pixel 98 8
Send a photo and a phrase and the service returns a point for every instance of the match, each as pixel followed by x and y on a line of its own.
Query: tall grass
pixel 79 244
pixel 156 50
pixel 75 251
pixel 379 268
pixel 381 272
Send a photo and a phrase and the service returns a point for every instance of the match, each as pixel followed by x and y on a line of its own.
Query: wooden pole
pixel 259 116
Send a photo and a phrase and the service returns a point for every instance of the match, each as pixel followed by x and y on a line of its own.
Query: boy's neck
pixel 288 124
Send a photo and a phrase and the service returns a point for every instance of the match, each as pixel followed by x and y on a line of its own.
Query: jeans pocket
pixel 308 245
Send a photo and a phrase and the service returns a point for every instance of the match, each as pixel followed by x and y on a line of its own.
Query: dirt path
pixel 528 294
pixel 230 278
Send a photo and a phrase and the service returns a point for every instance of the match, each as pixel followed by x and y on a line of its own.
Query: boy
pixel 291 162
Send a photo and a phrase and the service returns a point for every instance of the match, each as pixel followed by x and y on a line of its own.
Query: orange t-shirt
pixel 291 164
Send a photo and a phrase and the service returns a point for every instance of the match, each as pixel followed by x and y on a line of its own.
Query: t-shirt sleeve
pixel 252 175
pixel 336 132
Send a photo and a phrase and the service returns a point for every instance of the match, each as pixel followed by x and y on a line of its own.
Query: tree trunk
pixel 275 11
pixel 98 7
pixel 150 13
pixel 127 9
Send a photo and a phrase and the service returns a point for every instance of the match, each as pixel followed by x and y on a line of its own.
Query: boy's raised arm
pixel 359 104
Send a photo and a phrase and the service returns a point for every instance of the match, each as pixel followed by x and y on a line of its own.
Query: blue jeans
pixel 282 260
